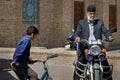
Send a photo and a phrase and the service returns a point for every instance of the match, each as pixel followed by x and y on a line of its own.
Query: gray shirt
pixel 91 29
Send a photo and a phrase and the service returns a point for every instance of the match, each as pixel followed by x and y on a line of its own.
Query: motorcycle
pixel 69 43
pixel 95 54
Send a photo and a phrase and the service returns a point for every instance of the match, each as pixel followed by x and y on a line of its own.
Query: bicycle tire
pixel 49 78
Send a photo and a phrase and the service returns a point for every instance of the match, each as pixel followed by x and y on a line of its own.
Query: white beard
pixel 91 18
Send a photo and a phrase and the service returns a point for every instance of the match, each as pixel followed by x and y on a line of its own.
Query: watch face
pixel 30 11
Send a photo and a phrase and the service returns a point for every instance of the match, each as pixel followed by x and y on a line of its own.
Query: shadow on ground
pixel 4 69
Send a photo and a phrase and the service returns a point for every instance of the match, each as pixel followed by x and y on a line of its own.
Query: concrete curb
pixel 60 51
pixel 42 51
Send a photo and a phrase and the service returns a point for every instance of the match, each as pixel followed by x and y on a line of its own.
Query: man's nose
pixel 92 14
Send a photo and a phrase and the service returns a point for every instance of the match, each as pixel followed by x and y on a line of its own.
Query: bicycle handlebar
pixel 52 56
pixel 48 57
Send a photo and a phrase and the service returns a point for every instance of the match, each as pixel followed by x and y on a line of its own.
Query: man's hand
pixel 77 39
pixel 111 38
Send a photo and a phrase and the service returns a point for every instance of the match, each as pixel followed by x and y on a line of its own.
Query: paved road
pixel 60 68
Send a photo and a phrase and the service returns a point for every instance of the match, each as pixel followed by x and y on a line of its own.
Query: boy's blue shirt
pixel 22 51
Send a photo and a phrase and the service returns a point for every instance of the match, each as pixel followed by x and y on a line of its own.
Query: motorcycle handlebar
pixel 85 40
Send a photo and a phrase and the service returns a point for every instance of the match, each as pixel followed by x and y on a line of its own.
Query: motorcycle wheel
pixel 97 72
pixel 97 75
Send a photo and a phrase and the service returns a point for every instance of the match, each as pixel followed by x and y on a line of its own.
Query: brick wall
pixel 56 21
pixel 50 23
pixel 7 22
pixel 116 43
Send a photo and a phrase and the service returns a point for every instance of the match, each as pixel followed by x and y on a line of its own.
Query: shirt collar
pixel 91 23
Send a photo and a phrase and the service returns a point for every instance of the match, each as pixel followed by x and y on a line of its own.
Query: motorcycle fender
pixel 96 66
pixel 67 46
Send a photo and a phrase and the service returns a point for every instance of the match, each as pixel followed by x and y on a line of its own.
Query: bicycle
pixel 45 74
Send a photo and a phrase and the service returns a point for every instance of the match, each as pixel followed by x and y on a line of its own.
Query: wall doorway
pixel 79 12
pixel 113 18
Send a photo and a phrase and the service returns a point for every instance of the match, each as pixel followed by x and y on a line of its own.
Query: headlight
pixel 89 57
pixel 95 50
pixel 102 57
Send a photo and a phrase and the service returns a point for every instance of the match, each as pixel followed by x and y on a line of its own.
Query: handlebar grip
pixel 52 56
pixel 38 60
pixel 107 40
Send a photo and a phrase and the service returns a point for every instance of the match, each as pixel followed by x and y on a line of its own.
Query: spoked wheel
pixel 78 78
pixel 97 75
pixel 14 79
pixel 87 77
pixel 48 78
pixel 97 72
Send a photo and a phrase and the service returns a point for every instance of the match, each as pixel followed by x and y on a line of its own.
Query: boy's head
pixel 32 31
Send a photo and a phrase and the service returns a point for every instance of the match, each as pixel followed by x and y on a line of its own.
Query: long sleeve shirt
pixel 22 51
pixel 91 30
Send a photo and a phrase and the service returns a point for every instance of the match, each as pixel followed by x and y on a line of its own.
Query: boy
pixel 22 54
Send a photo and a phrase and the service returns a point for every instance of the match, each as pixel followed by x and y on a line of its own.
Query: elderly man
pixel 90 29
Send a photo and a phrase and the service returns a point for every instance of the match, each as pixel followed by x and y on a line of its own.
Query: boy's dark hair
pixel 91 8
pixel 32 29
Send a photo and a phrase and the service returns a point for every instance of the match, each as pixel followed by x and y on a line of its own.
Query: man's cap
pixel 91 8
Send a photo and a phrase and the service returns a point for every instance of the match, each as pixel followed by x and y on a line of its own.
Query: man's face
pixel 91 16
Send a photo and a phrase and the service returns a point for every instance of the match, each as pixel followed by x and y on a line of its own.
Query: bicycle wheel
pixel 49 78
pixel 14 79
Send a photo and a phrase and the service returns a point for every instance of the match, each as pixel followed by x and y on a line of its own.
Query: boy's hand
pixel 11 64
pixel 32 61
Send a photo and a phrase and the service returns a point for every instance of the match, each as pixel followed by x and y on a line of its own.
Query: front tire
pixel 49 78
pixel 97 72
pixel 97 75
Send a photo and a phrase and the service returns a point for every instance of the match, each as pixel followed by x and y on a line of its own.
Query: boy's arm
pixel 20 50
